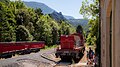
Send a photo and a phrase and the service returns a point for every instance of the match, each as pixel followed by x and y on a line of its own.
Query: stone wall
pixel 110 8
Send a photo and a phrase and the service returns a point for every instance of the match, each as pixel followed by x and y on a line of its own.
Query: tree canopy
pixel 90 9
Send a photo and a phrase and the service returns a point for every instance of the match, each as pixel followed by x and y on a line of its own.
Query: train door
pixel 77 41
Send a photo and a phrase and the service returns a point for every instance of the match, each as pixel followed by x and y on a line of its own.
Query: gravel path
pixel 28 60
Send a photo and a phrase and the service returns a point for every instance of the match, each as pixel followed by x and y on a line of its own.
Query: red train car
pixel 7 49
pixel 35 46
pixel 71 47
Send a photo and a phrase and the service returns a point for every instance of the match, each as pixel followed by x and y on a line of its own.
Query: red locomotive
pixel 71 47
pixel 7 49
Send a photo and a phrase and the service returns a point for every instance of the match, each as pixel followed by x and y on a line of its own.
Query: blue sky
pixel 67 7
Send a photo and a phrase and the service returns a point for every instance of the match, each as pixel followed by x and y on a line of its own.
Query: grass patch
pixel 49 47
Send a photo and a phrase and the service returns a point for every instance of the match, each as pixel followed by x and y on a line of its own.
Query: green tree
pixel 90 10
pixel 79 29
pixel 7 23
pixel 38 11
pixel 6 2
pixel 23 34
pixel 63 28
pixel 20 4
pixel 54 35
pixel 23 17
pixel 43 29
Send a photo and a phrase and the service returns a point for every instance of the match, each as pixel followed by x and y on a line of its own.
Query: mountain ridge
pixel 69 17
pixel 56 15
pixel 45 9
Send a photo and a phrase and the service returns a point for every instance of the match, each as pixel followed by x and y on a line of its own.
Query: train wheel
pixel 27 51
pixel 21 52
pixel 76 60
pixel 7 56
pixel 37 50
pixel 13 54
pixel 0 56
